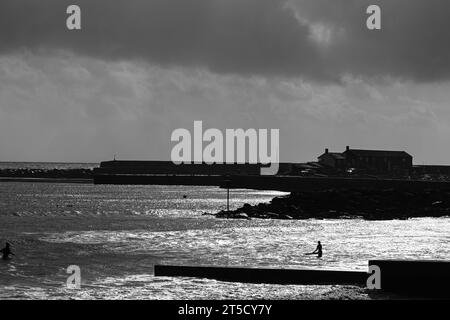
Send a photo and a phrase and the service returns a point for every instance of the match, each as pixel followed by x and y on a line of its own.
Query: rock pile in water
pixel 349 204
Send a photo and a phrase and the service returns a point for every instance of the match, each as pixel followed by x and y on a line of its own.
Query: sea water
pixel 116 234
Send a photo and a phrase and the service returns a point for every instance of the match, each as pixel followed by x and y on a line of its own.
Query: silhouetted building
pixel 333 159
pixel 370 160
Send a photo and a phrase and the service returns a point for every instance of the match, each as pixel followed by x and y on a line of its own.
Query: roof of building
pixel 378 153
pixel 336 155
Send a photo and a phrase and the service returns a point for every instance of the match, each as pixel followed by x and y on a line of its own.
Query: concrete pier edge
pixel 265 275
pixel 415 278
pixel 422 278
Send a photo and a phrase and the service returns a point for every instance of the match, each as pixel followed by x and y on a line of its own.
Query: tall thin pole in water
pixel 228 198
pixel 227 184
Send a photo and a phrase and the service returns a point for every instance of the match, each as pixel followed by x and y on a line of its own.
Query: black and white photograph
pixel 247 151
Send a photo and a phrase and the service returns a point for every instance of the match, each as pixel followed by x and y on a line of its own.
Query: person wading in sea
pixel 6 252
pixel 318 250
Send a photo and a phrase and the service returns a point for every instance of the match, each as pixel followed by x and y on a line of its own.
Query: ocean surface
pixel 116 234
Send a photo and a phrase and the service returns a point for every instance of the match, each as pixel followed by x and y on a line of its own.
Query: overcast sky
pixel 140 69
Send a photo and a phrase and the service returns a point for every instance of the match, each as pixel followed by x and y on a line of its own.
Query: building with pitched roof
pixel 371 160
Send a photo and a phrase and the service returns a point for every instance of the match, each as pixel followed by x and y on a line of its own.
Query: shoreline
pixel 73 175
pixel 47 180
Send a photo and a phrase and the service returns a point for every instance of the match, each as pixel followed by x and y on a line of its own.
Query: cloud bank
pixel 319 40
pixel 139 69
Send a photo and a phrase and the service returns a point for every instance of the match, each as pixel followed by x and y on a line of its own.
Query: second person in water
pixel 318 250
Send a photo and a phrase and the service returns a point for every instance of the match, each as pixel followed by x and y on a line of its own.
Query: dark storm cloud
pixel 237 36
pixel 262 37
pixel 414 42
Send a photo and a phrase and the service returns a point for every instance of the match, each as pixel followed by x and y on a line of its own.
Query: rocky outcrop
pixel 349 204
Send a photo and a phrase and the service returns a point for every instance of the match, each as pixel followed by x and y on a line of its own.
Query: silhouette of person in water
pixel 318 250
pixel 6 252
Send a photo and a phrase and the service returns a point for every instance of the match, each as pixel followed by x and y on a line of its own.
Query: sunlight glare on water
pixel 116 234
